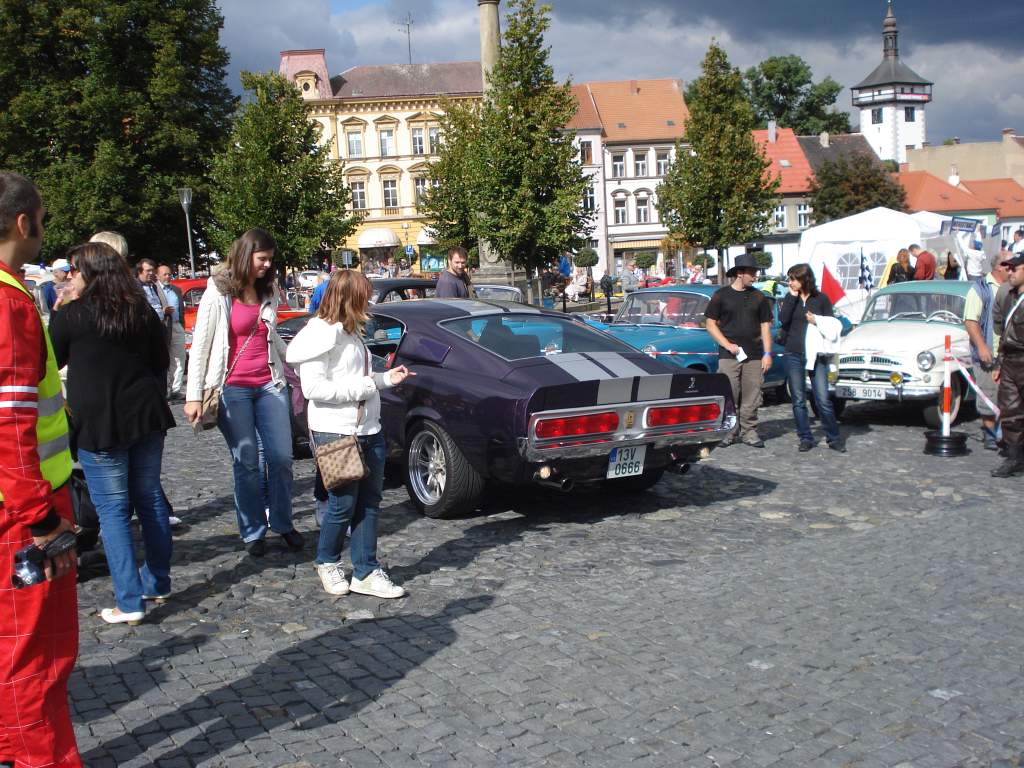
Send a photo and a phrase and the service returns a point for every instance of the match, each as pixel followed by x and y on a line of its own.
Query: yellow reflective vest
pixel 52 422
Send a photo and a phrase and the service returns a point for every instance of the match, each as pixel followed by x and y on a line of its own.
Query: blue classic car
pixel 668 323
pixel 512 394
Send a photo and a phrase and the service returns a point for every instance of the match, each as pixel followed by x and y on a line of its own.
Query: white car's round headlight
pixel 651 350
pixel 926 361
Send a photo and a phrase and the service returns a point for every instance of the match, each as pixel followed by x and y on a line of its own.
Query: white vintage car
pixel 896 352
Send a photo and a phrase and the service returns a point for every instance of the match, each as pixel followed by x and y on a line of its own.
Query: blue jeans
pixel 119 480
pixel 356 505
pixel 796 371
pixel 251 418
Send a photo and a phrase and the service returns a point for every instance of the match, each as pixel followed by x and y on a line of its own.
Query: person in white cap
pixel 51 290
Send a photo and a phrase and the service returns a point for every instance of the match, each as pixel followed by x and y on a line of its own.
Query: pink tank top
pixel 253 366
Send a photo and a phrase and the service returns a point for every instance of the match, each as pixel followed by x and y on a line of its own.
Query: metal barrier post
pixel 947 395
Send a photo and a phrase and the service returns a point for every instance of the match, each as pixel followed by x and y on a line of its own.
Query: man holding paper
pixel 739 319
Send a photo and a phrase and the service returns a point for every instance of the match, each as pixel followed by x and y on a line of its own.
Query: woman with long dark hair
pixel 811 331
pixel 236 351
pixel 337 379
pixel 113 344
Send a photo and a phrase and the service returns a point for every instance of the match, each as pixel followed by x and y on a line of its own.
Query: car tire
pixel 636 484
pixel 933 413
pixel 440 481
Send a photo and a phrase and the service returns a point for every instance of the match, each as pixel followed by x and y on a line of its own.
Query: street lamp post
pixel 185 195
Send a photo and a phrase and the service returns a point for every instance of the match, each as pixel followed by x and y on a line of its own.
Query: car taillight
pixel 573 426
pixel 682 414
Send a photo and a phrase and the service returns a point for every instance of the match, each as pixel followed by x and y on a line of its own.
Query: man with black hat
pixel 1009 370
pixel 739 318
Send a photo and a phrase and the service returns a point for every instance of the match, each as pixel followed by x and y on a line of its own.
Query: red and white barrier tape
pixel 976 388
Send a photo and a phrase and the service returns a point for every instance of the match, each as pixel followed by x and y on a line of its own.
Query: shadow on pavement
pixel 316 683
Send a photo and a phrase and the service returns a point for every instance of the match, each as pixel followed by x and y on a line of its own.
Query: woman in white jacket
pixel 334 368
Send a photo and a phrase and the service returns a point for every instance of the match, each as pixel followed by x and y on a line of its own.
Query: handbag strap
pixel 238 355
pixel 366 372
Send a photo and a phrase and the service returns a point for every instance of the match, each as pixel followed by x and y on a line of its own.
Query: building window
pixel 663 163
pixel 417 141
pixel 643 210
pixel 387 142
pixel 594 244
pixel 421 189
pixel 780 217
pixel 640 164
pixel 909 114
pixel 390 188
pixel 876 116
pixel 586 153
pixel 358 190
pixel 434 139
pixel 620 211
pixel 618 166
pixel 803 215
pixel 355 143
pixel 588 200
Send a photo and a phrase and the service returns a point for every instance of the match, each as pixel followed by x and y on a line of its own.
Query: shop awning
pixel 378 237
pixel 630 244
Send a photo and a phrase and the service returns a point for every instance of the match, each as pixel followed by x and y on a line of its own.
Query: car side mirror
pixel 423 350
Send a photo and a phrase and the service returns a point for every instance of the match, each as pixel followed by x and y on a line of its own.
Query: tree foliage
pixel 276 174
pixel 508 171
pixel 781 88
pixel 705 260
pixel 110 106
pixel 646 260
pixel 716 192
pixel 850 185
pixel 587 257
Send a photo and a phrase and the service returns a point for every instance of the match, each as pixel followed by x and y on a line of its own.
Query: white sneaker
pixel 333 578
pixel 174 521
pixel 377 584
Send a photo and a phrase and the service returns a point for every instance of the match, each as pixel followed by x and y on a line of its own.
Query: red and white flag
pixel 831 287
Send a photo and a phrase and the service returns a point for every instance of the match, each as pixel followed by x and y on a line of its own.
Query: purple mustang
pixel 514 394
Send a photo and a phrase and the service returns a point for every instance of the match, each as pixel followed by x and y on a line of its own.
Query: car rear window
pixel 519 336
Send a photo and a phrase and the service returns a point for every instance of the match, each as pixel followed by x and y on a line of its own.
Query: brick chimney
pixel 773 131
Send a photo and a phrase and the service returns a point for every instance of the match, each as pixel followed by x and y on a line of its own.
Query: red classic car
pixel 192 290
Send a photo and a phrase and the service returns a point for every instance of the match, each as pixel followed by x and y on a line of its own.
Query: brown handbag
pixel 341 461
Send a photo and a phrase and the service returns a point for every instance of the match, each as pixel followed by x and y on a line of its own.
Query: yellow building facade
pixel 381 122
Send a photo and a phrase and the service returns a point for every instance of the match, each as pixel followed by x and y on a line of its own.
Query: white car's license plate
pixel 626 462
pixel 861 393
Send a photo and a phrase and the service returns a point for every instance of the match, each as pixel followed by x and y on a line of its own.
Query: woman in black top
pixel 901 271
pixel 952 269
pixel 114 346
pixel 798 309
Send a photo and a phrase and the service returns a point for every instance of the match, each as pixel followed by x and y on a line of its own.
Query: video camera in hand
pixel 28 561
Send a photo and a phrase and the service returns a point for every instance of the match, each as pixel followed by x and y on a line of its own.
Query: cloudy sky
pixel 974 52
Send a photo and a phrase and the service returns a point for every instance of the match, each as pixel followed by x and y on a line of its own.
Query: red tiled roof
pixel 789 163
pixel 1005 195
pixel 635 110
pixel 586 117
pixel 927 192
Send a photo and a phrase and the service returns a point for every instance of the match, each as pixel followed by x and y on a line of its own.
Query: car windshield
pixel 517 336
pixel 933 307
pixel 677 308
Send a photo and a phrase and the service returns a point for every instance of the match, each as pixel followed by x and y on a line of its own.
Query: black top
pixel 116 388
pixel 739 315
pixel 900 275
pixel 793 318
pixel 451 287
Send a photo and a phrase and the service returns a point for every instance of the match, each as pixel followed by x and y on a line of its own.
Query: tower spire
pixel 890 36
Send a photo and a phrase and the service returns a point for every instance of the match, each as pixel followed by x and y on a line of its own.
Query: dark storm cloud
pixel 991 23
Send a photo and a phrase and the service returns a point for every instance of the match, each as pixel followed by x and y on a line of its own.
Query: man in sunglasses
pixel 1009 371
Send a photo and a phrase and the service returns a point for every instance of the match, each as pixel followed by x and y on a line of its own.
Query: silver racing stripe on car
pixel 471 307
pixel 616 363
pixel 614 391
pixel 655 387
pixel 577 366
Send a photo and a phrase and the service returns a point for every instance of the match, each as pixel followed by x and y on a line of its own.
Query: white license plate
pixel 861 393
pixel 626 462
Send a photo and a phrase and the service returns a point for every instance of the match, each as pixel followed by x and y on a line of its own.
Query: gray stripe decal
pixel 50 405
pixel 52 448
pixel 614 391
pixel 657 387
pixel 578 366
pixel 617 364
pixel 468 307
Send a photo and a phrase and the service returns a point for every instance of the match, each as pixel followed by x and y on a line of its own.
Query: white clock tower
pixel 891 100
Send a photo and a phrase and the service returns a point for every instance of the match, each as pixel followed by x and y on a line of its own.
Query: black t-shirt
pixel 450 286
pixel 739 315
pixel 793 318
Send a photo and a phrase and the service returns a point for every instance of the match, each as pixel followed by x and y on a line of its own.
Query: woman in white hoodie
pixel 337 380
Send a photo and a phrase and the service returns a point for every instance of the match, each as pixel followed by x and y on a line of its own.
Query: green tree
pixel 515 172
pixel 716 192
pixel 705 260
pixel 846 186
pixel 276 174
pixel 781 88
pixel 587 257
pixel 646 260
pixel 110 106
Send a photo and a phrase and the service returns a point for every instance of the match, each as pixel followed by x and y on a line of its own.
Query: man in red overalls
pixel 38 624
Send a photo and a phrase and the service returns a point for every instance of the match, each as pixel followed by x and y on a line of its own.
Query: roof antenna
pixel 407 23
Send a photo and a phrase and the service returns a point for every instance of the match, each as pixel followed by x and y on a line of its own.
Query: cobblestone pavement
pixel 768 608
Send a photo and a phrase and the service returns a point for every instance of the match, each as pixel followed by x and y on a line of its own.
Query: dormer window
pixel 306 82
